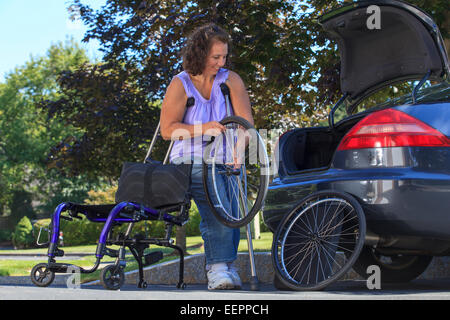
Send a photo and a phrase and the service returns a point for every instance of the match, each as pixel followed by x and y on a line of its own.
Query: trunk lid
pixel 405 45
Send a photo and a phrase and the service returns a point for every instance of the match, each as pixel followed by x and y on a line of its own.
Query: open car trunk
pixel 309 149
pixel 406 46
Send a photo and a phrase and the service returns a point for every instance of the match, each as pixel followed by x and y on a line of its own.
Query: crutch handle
pixel 226 93
pixel 190 102
pixel 224 88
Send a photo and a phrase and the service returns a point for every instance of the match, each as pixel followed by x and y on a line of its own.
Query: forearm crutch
pixel 254 283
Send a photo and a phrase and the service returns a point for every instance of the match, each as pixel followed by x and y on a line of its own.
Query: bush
pixel 21 206
pixel 44 223
pixel 22 236
pixel 4 273
pixel 85 232
pixel 192 227
pixel 262 226
pixel 75 233
pixel 80 232
pixel 102 196
pixel 5 235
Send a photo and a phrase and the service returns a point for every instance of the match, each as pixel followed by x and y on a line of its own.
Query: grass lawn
pixel 194 246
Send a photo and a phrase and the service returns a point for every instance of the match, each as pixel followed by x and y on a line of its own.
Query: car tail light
pixel 392 128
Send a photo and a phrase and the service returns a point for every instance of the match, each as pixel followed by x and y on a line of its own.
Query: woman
pixel 204 58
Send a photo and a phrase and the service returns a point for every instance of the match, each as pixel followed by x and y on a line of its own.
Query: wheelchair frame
pixel 124 212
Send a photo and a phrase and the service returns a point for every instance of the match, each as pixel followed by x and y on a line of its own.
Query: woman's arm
pixel 173 109
pixel 239 97
pixel 242 108
pixel 172 112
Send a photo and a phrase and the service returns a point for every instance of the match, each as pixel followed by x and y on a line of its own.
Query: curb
pixel 194 271
pixel 60 280
pixel 70 254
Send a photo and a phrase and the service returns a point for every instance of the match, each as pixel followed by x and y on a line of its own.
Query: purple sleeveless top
pixel 202 111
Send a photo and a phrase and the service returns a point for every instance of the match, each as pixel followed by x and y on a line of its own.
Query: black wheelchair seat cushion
pixel 154 185
pixel 92 212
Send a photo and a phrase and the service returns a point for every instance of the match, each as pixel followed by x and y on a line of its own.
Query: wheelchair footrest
pixel 152 257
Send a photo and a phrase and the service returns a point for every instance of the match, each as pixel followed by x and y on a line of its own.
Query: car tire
pixel 395 268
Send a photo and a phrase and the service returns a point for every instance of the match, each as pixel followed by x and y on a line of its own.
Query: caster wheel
pixel 112 277
pixel 181 286
pixel 142 285
pixel 41 276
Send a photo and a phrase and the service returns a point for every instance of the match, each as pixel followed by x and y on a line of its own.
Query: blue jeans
pixel 221 242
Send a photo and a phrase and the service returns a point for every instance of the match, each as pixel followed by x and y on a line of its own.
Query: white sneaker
pixel 235 277
pixel 219 278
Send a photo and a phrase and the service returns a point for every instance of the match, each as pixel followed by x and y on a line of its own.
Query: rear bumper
pixel 396 201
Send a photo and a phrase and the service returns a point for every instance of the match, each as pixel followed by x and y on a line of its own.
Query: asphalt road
pixel 343 290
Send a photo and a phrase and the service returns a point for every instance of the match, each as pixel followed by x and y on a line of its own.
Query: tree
pixel 27 135
pixel 290 67
pixel 116 102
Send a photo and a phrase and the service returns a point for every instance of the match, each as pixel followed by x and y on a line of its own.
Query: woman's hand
pixel 212 128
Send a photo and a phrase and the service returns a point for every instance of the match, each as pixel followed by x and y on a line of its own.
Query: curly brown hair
pixel 198 45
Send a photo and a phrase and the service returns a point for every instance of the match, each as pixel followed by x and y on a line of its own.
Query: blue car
pixel 372 189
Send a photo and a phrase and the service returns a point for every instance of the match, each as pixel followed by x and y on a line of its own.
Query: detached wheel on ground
pixel 41 276
pixel 112 277
pixel 318 241
pixel 393 268
pixel 236 173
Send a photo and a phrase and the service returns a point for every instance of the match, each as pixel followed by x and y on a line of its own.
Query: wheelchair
pixel 112 215
pixel 247 182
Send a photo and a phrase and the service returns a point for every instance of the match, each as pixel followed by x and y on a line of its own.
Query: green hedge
pixel 84 232
pixel 192 227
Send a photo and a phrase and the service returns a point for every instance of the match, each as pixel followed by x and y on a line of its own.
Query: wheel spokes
pixel 240 191
pixel 316 241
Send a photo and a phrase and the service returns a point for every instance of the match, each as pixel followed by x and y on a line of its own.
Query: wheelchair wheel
pixel 318 241
pixel 236 173
pixel 112 277
pixel 41 276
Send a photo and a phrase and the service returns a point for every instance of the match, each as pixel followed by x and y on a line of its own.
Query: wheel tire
pixel 400 268
pixel 41 276
pixel 263 183
pixel 308 240
pixel 278 284
pixel 112 277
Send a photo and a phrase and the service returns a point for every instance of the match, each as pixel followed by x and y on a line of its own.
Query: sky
pixel 29 27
